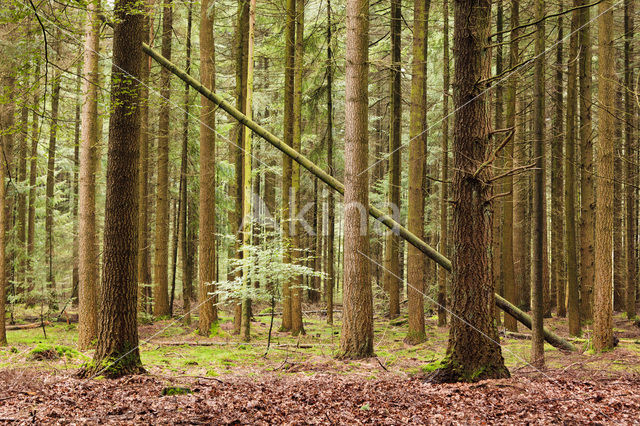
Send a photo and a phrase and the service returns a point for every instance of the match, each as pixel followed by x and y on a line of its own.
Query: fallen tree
pixel 335 184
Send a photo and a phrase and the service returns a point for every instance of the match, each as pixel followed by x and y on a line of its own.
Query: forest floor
pixel 221 380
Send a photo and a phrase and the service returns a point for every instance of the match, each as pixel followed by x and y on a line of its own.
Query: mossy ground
pixel 169 348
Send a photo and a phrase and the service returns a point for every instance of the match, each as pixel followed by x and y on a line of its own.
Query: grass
pixel 307 354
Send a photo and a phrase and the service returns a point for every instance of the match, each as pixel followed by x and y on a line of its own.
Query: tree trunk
pixel 297 326
pixel 444 186
pixel 508 270
pixel 587 200
pixel 619 287
pixel 330 282
pixel 21 252
pixel 557 155
pixel 473 352
pixel 630 177
pixel 602 304
pixel 571 253
pixel 31 213
pixel 356 340
pixel 117 352
pixel 161 258
pixel 207 312
pixel 87 253
pixel 417 151
pixel 537 276
pixel 75 274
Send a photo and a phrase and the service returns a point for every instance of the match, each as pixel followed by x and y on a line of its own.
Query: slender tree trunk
pixel 473 352
pixel 117 352
pixel 417 152
pixel 356 340
pixel 50 184
pixel 619 285
pixel 537 278
pixel 587 200
pixel 31 213
pixel 161 258
pixel 289 116
pixel 21 251
pixel 508 270
pixel 247 218
pixel 630 176
pixel 330 283
pixel 602 305
pixel 144 252
pixel 207 312
pixel 75 274
pixel 498 217
pixel 314 292
pixel 571 253
pixel 444 186
pixel 297 326
pixel 391 258
pixel 184 242
pixel 87 256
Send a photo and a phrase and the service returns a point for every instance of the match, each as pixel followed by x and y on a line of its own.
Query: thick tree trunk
pixel 473 352
pixel 161 258
pixel 87 253
pixel 117 352
pixel 207 312
pixel 602 306
pixel 356 340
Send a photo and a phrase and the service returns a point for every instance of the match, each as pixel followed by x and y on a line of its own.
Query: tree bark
pixel 31 213
pixel 416 265
pixel 473 352
pixel 356 340
pixel 207 312
pixel 331 223
pixel 161 258
pixel 602 305
pixel 117 351
pixel 87 253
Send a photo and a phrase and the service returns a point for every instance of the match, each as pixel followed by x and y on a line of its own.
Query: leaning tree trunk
pixel 356 340
pixel 87 256
pixel 117 351
pixel 473 352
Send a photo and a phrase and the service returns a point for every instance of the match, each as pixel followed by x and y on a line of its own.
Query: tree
pixel 630 176
pixel 356 340
pixel 207 209
pixel 161 258
pixel 602 306
pixel 444 194
pixel 587 200
pixel 537 278
pixel 416 266
pixel 117 351
pixel 331 223
pixel 571 253
pixel 473 352
pixel 87 253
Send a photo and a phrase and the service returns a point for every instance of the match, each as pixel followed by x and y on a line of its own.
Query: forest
pixel 319 212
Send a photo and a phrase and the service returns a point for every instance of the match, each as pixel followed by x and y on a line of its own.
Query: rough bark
pixel 473 352
pixel 356 340
pixel 117 350
pixel 602 304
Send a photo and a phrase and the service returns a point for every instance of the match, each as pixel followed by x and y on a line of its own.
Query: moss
pixel 415 337
pixel 46 351
pixel 175 390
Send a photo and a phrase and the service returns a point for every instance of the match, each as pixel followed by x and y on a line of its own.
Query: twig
pixel 493 155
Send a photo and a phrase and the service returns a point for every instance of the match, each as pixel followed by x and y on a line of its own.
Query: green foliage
pixel 47 351
pixel 175 390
